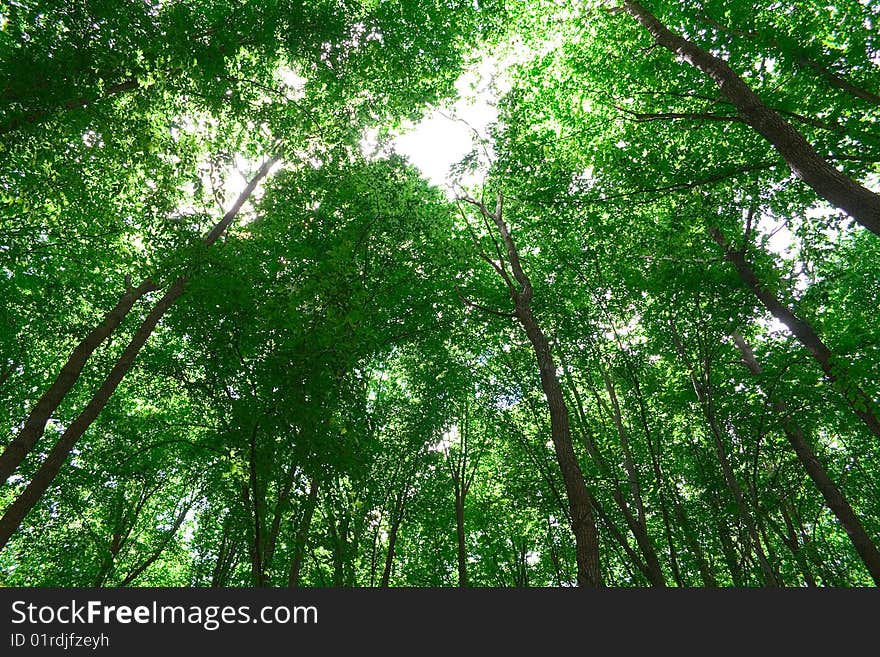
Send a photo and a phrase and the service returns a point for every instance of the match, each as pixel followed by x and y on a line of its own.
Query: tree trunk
pixel 792 541
pixel 392 542
pixel 582 521
pixel 462 544
pixel 729 552
pixel 629 465
pixel 805 162
pixel 35 424
pixel 49 469
pixel 706 574
pixel 659 478
pixel 706 404
pixel 619 538
pixel 217 575
pixel 138 570
pixel 302 535
pixel 651 565
pixel 804 59
pixel 770 577
pixel 124 526
pixel 834 369
pixel 255 498
pixel 374 552
pixel 275 527
pixel 670 542
pixel 339 541
pixel 109 561
pixel 832 495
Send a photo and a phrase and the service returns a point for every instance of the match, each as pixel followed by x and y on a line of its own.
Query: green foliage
pixel 305 403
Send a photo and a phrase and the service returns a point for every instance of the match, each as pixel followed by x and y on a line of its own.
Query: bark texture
pixel 805 162
pixel 302 535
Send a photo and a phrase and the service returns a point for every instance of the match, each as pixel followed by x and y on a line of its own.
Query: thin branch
pixel 477 306
pixel 641 117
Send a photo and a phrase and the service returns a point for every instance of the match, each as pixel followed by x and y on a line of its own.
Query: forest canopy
pixel 244 340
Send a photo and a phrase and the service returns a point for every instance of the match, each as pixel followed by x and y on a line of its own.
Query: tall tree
pixel 805 162
pixel 510 270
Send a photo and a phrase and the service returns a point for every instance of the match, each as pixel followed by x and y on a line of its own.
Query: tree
pixel 243 342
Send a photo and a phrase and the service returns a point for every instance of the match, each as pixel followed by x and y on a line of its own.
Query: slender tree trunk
pixel 35 424
pixel 582 521
pixel 610 526
pixel 693 543
pixel 149 561
pixel 707 406
pixel 461 473
pixel 670 542
pixel 628 463
pixel 803 59
pixel 124 526
pixel 791 49
pixel 660 481
pixel 646 545
pixel 50 467
pixel 729 552
pixel 109 560
pixel 761 523
pixel 302 535
pixel 690 535
pixel 392 540
pixel 461 540
pixel 792 541
pixel 834 369
pixel 256 504
pixel 798 532
pixel 719 518
pixel 834 498
pixel 805 162
pixel 275 527
pixel 374 553
pixel 770 577
pixel 339 541
pixel 651 564
pixel 220 565
pixel 659 478
pixel 521 565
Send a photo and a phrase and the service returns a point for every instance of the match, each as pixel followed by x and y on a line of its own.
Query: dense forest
pixel 244 341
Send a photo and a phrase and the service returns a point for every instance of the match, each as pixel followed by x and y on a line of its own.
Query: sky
pixel 445 136
pixel 442 138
